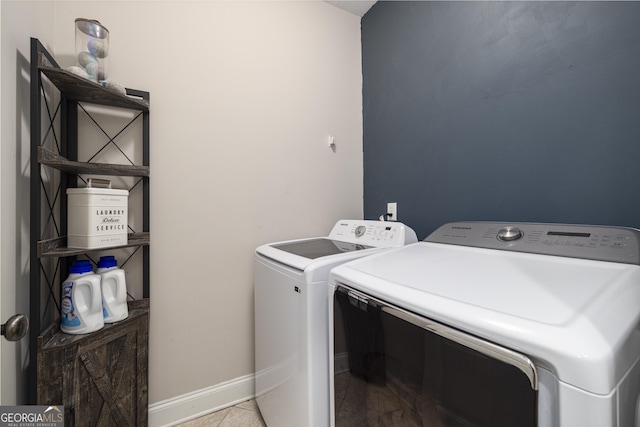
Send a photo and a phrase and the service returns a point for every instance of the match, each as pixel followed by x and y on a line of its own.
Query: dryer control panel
pixel 386 234
pixel 602 243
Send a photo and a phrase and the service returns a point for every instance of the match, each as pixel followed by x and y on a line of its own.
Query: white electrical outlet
pixel 392 211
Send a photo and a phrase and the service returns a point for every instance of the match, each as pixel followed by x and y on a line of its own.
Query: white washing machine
pixel 491 324
pixel 291 316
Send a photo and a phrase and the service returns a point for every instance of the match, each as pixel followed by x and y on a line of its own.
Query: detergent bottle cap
pixel 81 266
pixel 107 262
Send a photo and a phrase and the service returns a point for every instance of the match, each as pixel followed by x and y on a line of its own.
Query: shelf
pixel 57 247
pixel 49 158
pixel 53 337
pixel 83 90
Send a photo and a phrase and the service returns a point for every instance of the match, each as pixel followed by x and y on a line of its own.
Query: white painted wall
pixel 243 96
pixel 21 20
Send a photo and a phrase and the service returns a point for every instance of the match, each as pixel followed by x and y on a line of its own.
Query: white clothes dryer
pixel 491 324
pixel 291 316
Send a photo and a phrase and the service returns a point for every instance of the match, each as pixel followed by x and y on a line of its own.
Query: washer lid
pixel 349 239
pixel 578 318
pixel 315 255
pixel 316 248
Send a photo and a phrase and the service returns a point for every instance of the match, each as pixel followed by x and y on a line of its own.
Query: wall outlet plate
pixel 392 211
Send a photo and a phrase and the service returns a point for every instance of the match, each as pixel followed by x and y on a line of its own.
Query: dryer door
pixel 405 370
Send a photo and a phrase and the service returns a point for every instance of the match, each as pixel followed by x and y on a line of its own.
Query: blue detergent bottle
pixel 81 304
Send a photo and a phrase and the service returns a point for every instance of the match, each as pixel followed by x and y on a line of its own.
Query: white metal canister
pixel 97 217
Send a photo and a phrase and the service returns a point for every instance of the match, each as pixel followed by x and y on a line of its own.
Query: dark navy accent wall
pixel 507 111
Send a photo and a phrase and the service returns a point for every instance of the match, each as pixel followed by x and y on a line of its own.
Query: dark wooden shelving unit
pixel 100 378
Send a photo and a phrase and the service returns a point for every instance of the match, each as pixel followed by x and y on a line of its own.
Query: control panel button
pixel 509 234
pixel 360 230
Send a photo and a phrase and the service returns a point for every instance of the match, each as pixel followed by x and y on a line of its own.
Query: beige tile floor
pixel 245 414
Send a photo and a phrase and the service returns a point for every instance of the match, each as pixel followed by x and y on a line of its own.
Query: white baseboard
pixel 198 403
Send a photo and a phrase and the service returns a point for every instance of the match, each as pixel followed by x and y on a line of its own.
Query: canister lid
pixel 109 191
pixel 92 28
pixel 107 262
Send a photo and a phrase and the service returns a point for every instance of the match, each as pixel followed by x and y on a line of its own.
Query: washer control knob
pixel 509 234
pixel 360 230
